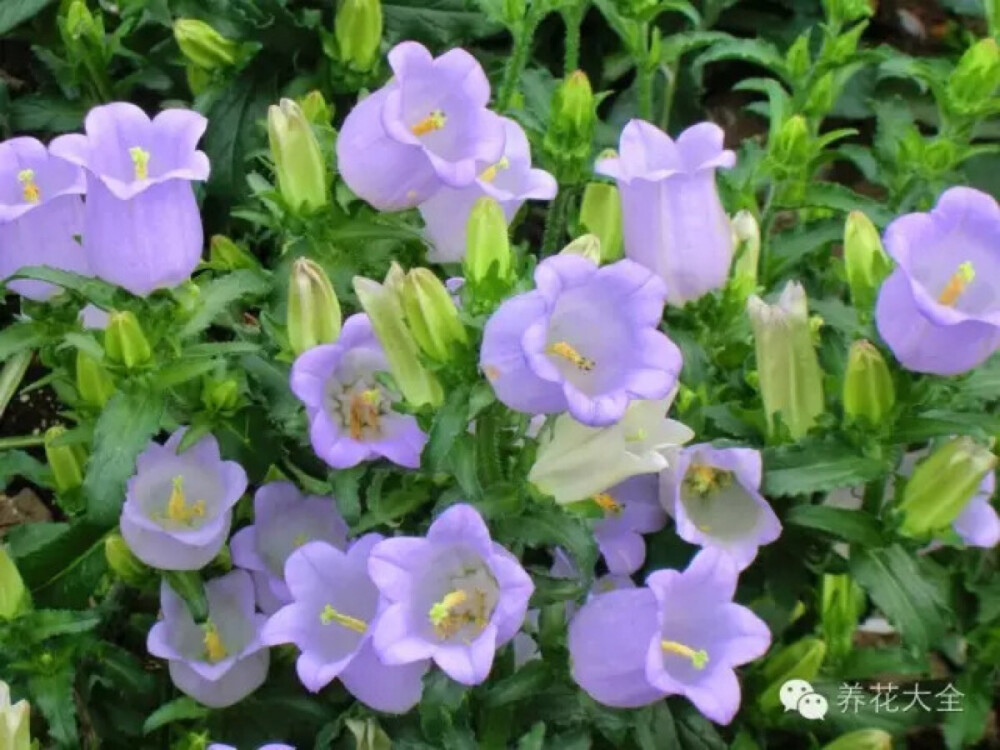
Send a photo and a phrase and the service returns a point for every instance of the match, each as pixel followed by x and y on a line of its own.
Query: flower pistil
pixel 31 192
pixel 699 658
pixel 490 173
pixel 140 159
pixel 330 615
pixel 457 609
pixel 566 350
pixel 178 508
pixel 215 649
pixel 957 284
pixel 436 120
pixel 608 504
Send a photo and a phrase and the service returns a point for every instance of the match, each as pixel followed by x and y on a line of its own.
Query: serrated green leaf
pixel 20 464
pixel 19 337
pixel 179 709
pixel 838 197
pixel 439 24
pixel 790 247
pixel 450 420
pixel 14 12
pixel 181 371
pixel 817 468
pixel 93 290
pixel 53 695
pixel 755 51
pixel 850 525
pixel 50 623
pixel 941 423
pixel 526 682
pixel 547 525
pixel 220 293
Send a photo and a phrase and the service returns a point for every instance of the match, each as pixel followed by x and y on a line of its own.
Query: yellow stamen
pixel 447 621
pixel 215 649
pixel 490 173
pixel 140 158
pixel 702 479
pixel 300 540
pixel 363 412
pixel 566 351
pixel 329 614
pixel 957 284
pixel 698 658
pixel 607 503
pixel 178 508
pixel 31 192
pixel 434 121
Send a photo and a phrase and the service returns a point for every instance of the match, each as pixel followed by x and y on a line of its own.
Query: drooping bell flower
pixel 178 507
pixel 511 181
pixel 427 128
pixel 41 214
pixel 284 520
pixel 218 662
pixel 675 224
pixel 350 413
pixel 680 634
pixel 142 226
pixel 454 597
pixel 939 310
pixel 334 611
pixel 631 509
pixel 714 497
pixel 586 341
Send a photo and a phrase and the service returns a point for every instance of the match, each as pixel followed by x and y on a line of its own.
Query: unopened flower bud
pixel 798 60
pixel 66 461
pixel 574 117
pixel 846 11
pixel 368 734
pixel 822 96
pixel 431 315
pixel 798 661
pixel 488 253
pixel 203 46
pixel 862 739
pixel 842 603
pixel 124 341
pixel 587 245
pixel 791 148
pixel 14 596
pixel 976 77
pixel 601 214
pixel 298 159
pixel 358 29
pixel 943 484
pixel 746 241
pixel 868 390
pixel 15 722
pixel 122 562
pixel 82 25
pixel 865 260
pixel 314 316
pixel 315 108
pixel 93 382
pixel 226 255
pixel 221 395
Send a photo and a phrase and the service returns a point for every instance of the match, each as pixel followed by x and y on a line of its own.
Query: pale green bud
pixel 203 46
pixel 487 244
pixel 220 395
pixel 431 315
pixel 798 59
pixel 15 722
pixel 315 108
pixel 314 316
pixel 790 380
pixel 792 146
pixel 943 484
pixel 868 390
pixel 81 24
pixel 865 260
pixel 822 96
pixel 14 596
pixel 842 603
pixel 862 739
pixel 123 562
pixel 586 245
pixel 226 255
pixel 66 461
pixel 976 77
pixel 570 134
pixel 368 735
pixel 124 341
pixel 746 241
pixel 798 661
pixel 601 214
pixel 298 159
pixel 358 29
pixel 93 382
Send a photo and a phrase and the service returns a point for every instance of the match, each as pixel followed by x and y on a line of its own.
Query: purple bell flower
pixel 334 612
pixel 631 509
pixel 284 520
pixel 586 340
pixel 350 412
pixel 178 508
pixel 454 596
pixel 675 224
pixel 142 226
pixel 681 634
pixel 978 524
pixel 511 181
pixel 714 497
pixel 939 310
pixel 222 661
pixel 427 128
pixel 40 214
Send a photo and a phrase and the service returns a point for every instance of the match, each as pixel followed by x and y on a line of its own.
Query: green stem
pixel 99 78
pixel 518 59
pixel 572 18
pixel 872 498
pixel 555 222
pixel 11 377
pixel 644 74
pixel 21 441
pixel 668 98
pixel 488 447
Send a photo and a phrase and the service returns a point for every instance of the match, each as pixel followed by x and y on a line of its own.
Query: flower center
pixel 434 121
pixel 363 412
pixel 457 609
pixel 608 504
pixel 178 508
pixel 140 160
pixel 698 658
pixel 300 539
pixel 490 173
pixel 702 480
pixel 566 351
pixel 30 190
pixel 957 284
pixel 330 615
pixel 215 649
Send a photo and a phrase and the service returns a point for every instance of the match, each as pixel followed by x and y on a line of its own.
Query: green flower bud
pixel 124 341
pixel 315 108
pixel 601 214
pixel 573 119
pixel 846 11
pixel 431 315
pixel 314 316
pixel 838 50
pixel 798 59
pixel 298 159
pixel 865 260
pixel 385 311
pixel 976 77
pixel 799 661
pixel 226 255
pixel 203 46
pixel 66 461
pixel 868 390
pixel 792 146
pixel 587 245
pixel 358 29
pixel 221 395
pixel 93 382
pixel 487 253
pixel 862 739
pixel 939 155
pixel 942 485
pixel 123 563
pixel 822 96
pixel 746 240
pixel 15 722
pixel 368 735
pixel 842 603
pixel 791 383
pixel 81 25
pixel 14 596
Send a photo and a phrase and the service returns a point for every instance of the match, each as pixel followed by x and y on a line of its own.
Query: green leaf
pixel 41 113
pixel 14 12
pixel 850 525
pixel 840 198
pixel 754 51
pixel 361 230
pixel 675 46
pixel 187 584
pixel 548 525
pixel 20 464
pixel 183 371
pixel 19 337
pixel 526 682
pixel 100 293
pixel 450 421
pixel 50 623
pixel 437 23
pixel 789 248
pixel 222 349
pixel 941 422
pixel 124 429
pixel 179 709
pixel 53 695
pixel 817 468
pixel 905 594
pixel 220 293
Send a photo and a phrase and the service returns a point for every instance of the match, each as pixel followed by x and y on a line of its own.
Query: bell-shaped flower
pixel 41 214
pixel 454 597
pixel 631 508
pixel 675 224
pixel 714 497
pixel 218 662
pixel 284 520
pixel 178 506
pixel 939 310
pixel 680 634
pixel 142 226
pixel 511 181
pixel 335 609
pixel 426 128
pixel 350 412
pixel 575 462
pixel 586 340
pixel 978 524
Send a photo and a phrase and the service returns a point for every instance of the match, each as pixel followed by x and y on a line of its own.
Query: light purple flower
pixel 334 611
pixel 631 509
pixel 714 497
pixel 586 340
pixel 681 634
pixel 142 226
pixel 427 128
pixel 284 520
pixel 178 508
pixel 675 224
pixel 511 181
pixel 454 596
pixel 41 214
pixel 350 412
pixel 939 310
pixel 978 524
pixel 219 662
